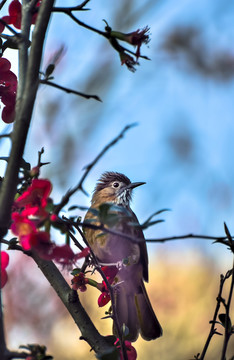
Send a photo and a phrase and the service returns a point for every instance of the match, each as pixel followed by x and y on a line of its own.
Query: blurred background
pixel 182 100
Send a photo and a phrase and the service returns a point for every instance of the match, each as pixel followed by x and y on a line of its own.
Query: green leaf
pixel 75 271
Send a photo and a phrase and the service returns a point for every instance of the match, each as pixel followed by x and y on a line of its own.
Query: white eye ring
pixel 115 184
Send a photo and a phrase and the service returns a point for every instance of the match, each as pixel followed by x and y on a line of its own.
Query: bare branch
pixel 68 12
pixel 24 110
pixel 5 136
pixel 187 236
pixel 70 91
pixel 213 322
pixel 72 8
pixel 228 331
pixel 71 300
pixel 2 3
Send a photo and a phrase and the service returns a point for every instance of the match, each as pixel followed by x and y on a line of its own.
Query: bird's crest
pixel 110 176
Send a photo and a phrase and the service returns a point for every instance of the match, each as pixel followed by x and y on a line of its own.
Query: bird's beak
pixel 134 185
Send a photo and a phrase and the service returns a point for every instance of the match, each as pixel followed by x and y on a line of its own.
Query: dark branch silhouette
pixel 70 91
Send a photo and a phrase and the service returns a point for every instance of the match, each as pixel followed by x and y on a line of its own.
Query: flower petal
pixel 4 260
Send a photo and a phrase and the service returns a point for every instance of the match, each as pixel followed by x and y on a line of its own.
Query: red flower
pixel 14 17
pixel 110 272
pixel 137 38
pixel 28 234
pixel 65 256
pixel 31 215
pixel 131 351
pixel 104 298
pixel 85 252
pixel 35 198
pixel 15 14
pixel 22 226
pixel 8 87
pixel 38 240
pixel 4 264
pixel 79 282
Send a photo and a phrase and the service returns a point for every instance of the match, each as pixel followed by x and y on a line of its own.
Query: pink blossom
pixel 4 264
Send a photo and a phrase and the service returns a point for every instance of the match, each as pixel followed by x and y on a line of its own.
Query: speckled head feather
pixel 110 176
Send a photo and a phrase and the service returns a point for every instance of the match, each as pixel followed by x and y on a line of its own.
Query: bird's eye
pixel 115 184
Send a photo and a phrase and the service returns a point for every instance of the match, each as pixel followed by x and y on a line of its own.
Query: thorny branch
pixel 187 236
pixel 214 320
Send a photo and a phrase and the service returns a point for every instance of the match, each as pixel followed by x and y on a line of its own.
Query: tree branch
pixel 228 330
pixel 24 110
pixel 187 236
pixel 2 3
pixel 68 11
pixel 29 71
pixel 71 301
pixel 214 320
pixel 72 8
pixel 70 91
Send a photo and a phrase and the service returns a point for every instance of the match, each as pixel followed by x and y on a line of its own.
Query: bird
pixel 133 308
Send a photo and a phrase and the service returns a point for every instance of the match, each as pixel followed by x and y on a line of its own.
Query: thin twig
pixel 5 136
pixel 213 322
pixel 70 91
pixel 72 8
pixel 88 168
pixel 110 231
pixel 9 27
pixel 23 116
pixel 76 242
pixel 228 331
pixel 187 236
pixel 68 12
pixel 2 3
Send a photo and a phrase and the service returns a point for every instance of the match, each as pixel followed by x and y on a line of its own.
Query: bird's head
pixel 114 187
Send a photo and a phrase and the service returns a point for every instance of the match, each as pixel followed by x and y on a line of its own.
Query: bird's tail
pixel 135 312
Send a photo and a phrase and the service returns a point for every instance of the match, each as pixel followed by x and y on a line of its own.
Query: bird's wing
pixel 138 234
